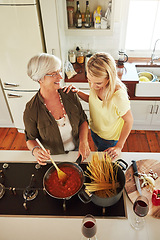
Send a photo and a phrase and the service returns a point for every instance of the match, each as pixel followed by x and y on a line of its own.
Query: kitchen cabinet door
pixel 146 115
pixel 156 114
pixel 142 114
pixel 21 39
pixel 17 102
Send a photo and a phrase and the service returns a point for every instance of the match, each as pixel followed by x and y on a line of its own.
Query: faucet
pixel 153 57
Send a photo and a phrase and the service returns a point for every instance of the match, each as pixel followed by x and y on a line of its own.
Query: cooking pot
pixel 52 169
pixel 106 202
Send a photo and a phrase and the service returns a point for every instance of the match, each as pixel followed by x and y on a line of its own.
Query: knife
pixel 136 177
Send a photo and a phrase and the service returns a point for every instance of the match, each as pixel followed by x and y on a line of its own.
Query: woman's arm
pixel 84 149
pixel 128 122
pixel 40 155
pixel 84 96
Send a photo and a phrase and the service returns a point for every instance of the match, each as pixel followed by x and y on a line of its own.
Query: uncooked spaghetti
pixel 103 176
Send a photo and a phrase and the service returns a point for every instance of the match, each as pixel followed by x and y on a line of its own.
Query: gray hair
pixel 42 64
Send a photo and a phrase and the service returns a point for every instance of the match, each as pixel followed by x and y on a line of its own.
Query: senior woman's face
pixel 53 79
pixel 97 82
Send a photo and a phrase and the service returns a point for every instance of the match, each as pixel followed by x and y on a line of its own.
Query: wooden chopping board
pixel 144 165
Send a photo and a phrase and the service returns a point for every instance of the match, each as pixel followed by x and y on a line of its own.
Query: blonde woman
pixel 110 114
pixel 54 117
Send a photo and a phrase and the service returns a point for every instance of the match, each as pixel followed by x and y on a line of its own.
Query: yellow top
pixel 106 120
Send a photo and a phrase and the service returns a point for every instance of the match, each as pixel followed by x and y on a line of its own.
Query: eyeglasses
pixel 55 74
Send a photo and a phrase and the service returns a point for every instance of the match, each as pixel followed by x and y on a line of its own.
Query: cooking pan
pixel 48 183
pixel 108 201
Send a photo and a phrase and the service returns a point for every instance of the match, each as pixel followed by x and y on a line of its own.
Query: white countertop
pixel 24 228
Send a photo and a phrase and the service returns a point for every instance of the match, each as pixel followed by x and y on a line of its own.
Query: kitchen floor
pixel 138 141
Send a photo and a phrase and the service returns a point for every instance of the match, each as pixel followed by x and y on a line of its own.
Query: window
pixel 143 25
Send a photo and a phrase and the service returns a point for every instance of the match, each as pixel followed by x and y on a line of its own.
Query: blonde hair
pixel 42 64
pixel 103 65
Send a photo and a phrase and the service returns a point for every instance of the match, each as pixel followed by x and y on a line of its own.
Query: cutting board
pixel 144 165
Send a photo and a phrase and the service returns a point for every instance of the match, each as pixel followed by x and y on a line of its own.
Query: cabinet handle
pixel 157 107
pixel 151 109
pixel 11 84
pixel 11 95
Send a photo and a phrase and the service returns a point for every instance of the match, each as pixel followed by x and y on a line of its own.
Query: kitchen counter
pixel 17 228
pixel 128 75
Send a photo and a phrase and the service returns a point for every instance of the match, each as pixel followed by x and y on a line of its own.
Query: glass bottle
pixel 78 17
pixel 87 16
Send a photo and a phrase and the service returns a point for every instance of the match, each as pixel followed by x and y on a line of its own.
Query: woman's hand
pixel 41 156
pixel 84 149
pixel 69 88
pixel 113 152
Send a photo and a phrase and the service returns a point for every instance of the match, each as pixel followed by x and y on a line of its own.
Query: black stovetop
pixel 18 175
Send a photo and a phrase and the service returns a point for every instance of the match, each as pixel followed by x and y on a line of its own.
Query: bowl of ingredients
pixel 147 77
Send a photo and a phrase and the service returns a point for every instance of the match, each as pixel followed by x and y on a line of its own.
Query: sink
pixel 148 89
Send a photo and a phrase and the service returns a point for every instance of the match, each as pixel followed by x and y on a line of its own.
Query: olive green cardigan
pixel 39 122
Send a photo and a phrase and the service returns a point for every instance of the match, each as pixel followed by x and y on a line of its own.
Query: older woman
pixel 54 117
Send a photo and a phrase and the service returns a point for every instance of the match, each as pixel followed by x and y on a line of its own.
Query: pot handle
pixel 84 195
pixel 120 161
pixel 79 159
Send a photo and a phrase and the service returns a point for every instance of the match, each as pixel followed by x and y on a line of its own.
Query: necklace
pixel 61 122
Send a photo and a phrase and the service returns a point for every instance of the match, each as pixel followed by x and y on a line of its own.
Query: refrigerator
pixel 21 37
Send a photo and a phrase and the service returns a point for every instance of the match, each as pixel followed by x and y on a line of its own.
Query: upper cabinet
pixel 101 17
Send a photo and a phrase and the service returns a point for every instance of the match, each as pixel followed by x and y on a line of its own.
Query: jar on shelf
pixel 72 56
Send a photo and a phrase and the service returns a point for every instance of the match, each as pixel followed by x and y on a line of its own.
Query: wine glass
pixel 140 208
pixel 89 227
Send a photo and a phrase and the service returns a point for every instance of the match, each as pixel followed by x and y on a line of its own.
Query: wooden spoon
pixel 61 175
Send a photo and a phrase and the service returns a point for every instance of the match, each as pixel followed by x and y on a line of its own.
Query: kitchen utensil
pixel 136 177
pixel 143 166
pixel 61 175
pixel 75 166
pixel 106 202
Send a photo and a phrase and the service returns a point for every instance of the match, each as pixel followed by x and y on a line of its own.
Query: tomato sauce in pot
pixel 55 187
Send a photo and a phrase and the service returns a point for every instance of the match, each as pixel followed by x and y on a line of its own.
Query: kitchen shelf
pixel 90 31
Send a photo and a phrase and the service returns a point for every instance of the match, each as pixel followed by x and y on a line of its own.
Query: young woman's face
pixel 97 83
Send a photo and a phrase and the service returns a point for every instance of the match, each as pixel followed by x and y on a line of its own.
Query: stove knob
pixel 5 165
pixel 37 166
pixel 2 190
pixel 25 205
pixel 1 176
pixel 12 190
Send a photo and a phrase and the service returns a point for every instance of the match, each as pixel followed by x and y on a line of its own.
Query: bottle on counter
pixel 78 17
pixel 87 16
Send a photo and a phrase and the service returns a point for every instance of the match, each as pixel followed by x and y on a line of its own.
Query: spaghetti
pixel 103 176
